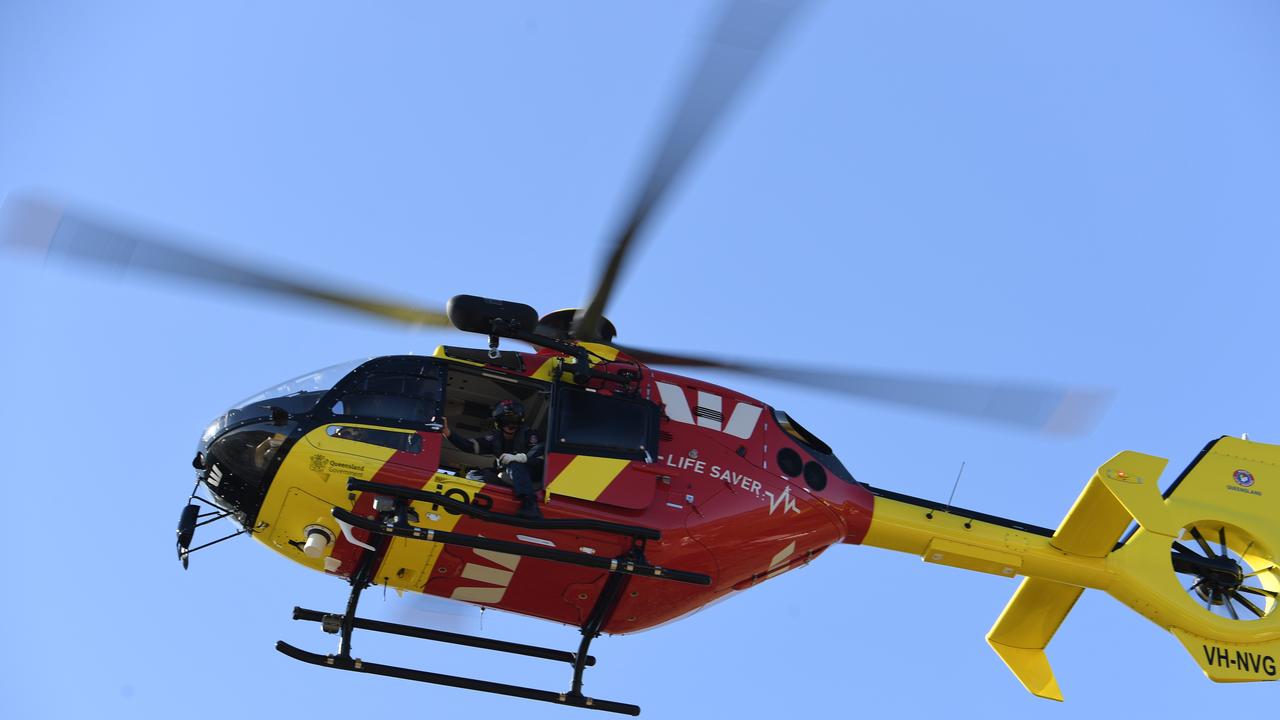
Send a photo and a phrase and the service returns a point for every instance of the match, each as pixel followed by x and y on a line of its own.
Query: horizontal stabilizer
pixel 1025 627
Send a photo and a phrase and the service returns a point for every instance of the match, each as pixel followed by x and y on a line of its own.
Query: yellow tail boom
pixel 1198 559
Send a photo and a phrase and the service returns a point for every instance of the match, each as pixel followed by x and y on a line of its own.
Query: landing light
pixel 318 541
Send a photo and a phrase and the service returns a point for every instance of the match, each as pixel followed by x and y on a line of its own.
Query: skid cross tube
pixel 300 613
pixel 599 615
pixel 364 571
pixel 623 566
pixel 458 506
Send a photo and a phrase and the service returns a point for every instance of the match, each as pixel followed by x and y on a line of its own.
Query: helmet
pixel 508 412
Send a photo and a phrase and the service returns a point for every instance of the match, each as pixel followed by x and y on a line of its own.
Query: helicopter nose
pixel 238 464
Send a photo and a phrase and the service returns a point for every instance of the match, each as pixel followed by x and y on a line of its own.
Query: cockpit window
pixel 392 396
pixel 821 451
pixel 296 396
pixel 409 442
pixel 402 389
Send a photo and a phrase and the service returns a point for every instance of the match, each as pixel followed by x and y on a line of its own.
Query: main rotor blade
pixel 58 232
pixel 747 30
pixel 1057 410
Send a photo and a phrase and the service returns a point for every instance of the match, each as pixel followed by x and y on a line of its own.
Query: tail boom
pixel 1229 498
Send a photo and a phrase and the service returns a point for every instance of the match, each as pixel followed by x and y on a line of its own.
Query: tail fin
pixel 1201 562
pixel 1025 627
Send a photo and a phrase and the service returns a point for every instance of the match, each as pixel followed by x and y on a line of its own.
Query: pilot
pixel 516 448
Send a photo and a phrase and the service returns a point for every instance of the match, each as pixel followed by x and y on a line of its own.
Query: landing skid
pixel 345 624
pixel 570 699
pixel 394 523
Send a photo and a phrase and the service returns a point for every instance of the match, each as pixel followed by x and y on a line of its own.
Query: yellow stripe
pixel 548 367
pixel 608 352
pixel 586 477
pixel 440 353
pixel 418 558
pixel 312 480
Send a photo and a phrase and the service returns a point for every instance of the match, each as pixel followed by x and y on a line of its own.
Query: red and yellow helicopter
pixel 660 493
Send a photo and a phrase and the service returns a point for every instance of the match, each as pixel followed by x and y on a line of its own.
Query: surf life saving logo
pixel 1243 483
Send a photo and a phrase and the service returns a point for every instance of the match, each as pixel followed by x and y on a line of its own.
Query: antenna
pixel 954 487
pixel 947 508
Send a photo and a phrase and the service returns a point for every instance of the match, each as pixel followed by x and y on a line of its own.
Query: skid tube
pixel 391 523
pixel 356 665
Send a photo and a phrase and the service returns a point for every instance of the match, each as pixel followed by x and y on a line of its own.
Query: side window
pixel 412 399
pixel 587 423
pixel 396 440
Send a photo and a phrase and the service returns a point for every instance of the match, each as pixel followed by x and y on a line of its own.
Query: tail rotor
pixel 1226 570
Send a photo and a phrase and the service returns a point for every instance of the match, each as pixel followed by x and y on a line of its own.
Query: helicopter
pixel 372 431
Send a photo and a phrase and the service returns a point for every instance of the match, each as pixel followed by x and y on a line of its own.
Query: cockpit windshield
pixel 296 396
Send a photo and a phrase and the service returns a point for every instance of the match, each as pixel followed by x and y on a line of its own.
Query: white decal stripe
pixel 479 594
pixel 782 556
pixel 493 576
pixel 677 404
pixel 710 402
pixel 743 422
pixel 506 560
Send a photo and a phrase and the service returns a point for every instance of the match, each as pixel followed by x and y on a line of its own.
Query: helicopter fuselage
pixel 737 491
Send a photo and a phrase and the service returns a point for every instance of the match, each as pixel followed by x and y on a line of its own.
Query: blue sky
pixel 1071 192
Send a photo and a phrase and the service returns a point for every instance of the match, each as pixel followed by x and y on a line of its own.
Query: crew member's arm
pixel 465 444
